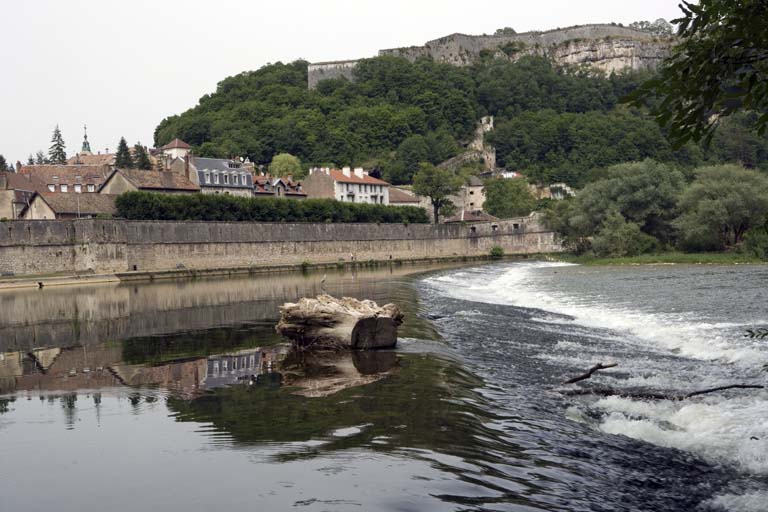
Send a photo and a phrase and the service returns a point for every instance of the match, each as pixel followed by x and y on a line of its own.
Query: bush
pixel 205 207
pixel 497 252
pixel 756 242
pixel 618 238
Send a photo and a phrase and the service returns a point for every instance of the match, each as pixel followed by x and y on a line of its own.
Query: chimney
pixel 186 165
pixel 346 171
pixel 359 172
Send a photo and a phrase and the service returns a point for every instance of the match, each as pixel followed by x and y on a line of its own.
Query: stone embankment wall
pixel 326 70
pixel 116 246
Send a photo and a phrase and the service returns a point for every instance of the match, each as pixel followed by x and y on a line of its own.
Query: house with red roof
pixel 347 185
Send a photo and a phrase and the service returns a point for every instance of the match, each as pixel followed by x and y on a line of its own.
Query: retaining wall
pixel 115 246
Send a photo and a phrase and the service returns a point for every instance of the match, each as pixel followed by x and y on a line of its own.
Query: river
pixel 180 396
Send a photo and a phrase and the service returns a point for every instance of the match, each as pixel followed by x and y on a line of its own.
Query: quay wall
pixel 40 247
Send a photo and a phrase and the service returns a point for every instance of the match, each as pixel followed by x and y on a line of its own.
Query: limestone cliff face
pixel 605 47
pixel 612 55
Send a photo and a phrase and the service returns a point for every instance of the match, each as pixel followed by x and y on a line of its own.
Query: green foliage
pixel 141 157
pixel 286 164
pixel 496 252
pixel 756 242
pixel 508 197
pixel 506 31
pixel 619 238
pixel 720 206
pixel 642 193
pixel 718 68
pixel 30 160
pixel 660 27
pixel 438 185
pixel 57 153
pixel 3 164
pixel 40 158
pixel 123 159
pixel 208 207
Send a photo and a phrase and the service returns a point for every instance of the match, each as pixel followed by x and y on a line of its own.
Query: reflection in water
pixel 63 317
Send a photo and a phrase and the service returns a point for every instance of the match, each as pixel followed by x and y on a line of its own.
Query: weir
pixel 93 246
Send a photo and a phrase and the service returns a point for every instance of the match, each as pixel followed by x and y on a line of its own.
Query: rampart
pixel 319 71
pixel 118 246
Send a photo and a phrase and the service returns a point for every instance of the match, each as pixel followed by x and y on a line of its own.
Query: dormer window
pixel 64 188
pixel 226 179
pixel 216 178
pixel 207 177
pixel 78 188
pixel 52 188
pixel 91 188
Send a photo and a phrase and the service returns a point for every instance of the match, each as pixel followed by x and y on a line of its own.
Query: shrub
pixel 204 207
pixel 756 242
pixel 618 238
pixel 497 252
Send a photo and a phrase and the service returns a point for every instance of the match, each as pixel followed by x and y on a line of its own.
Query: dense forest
pixel 552 124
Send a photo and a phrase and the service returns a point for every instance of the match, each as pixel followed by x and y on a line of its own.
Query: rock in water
pixel 342 323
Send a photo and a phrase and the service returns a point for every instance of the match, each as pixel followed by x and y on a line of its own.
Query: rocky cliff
pixel 605 47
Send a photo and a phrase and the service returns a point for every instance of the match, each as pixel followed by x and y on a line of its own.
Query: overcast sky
pixel 122 66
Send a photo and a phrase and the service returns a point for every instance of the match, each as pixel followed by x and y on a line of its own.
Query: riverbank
pixel 667 258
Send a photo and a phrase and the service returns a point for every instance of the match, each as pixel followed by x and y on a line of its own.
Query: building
pixel 475 216
pixel 220 176
pixel 402 197
pixel 67 178
pixel 68 206
pixel 166 182
pixel 16 191
pixel 348 185
pixel 267 186
pixel 176 149
pixel 472 195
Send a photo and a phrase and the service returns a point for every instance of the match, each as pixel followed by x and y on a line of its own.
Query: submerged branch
pixel 588 374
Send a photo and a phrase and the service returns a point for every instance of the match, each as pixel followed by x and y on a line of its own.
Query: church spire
pixel 86 145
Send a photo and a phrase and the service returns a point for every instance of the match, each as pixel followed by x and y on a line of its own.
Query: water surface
pixel 180 396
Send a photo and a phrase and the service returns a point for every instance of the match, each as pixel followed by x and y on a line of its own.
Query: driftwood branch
pixel 722 388
pixel 650 395
pixel 643 395
pixel 588 374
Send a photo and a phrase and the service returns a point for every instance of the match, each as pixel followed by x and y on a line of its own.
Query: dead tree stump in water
pixel 342 323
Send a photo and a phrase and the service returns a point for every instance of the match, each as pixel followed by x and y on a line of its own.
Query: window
pixel 78 188
pixel 52 188
pixel 91 188
pixel 471 192
pixel 207 177
pixel 226 179
pixel 216 178
pixel 64 188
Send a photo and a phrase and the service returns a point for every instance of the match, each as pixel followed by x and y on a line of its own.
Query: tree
pixel 619 238
pixel 660 27
pixel 720 206
pixel 506 31
pixel 141 157
pixel 40 158
pixel 719 67
pixel 30 160
pixel 123 159
pixel 436 184
pixel 3 164
pixel 285 164
pixel 508 197
pixel 57 153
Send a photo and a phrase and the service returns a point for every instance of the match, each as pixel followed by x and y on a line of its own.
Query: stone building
pixel 402 197
pixel 48 206
pixel 220 176
pixel 16 191
pixel 67 178
pixel 166 182
pixel 267 186
pixel 347 185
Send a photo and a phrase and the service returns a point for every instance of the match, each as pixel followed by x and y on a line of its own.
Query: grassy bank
pixel 706 258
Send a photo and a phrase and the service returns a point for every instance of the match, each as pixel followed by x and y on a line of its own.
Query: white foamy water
pixel 680 349
pixel 681 333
